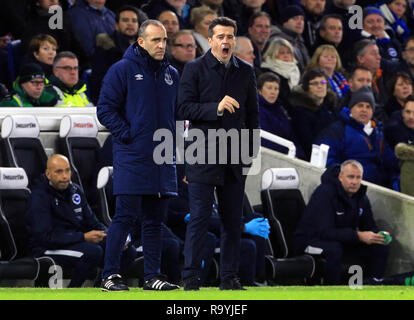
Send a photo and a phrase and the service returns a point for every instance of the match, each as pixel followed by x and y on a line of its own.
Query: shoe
pixel 191 284
pixel 114 283
pixel 231 284
pixel 159 285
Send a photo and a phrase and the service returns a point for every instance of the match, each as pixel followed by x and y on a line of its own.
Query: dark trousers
pixel 372 259
pixel 151 209
pixel 84 258
pixel 230 206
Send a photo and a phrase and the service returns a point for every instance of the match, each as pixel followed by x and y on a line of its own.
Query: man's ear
pixel 141 41
pixel 47 173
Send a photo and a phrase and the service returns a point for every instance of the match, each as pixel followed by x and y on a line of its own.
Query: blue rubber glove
pixel 187 217
pixel 258 227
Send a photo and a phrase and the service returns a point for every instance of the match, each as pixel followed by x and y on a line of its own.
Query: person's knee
pixel 248 248
pixel 333 251
pixel 93 254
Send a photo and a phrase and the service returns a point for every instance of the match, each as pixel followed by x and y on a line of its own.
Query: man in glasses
pixel 70 91
pixel 182 49
pixel 29 89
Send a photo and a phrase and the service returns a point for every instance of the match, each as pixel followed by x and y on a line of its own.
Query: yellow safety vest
pixel 79 99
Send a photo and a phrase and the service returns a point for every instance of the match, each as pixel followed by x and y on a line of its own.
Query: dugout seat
pixel 283 205
pixel 22 146
pixel 106 200
pixel 78 141
pixel 15 260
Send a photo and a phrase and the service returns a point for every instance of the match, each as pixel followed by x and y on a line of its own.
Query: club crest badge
pixel 76 199
pixel 168 79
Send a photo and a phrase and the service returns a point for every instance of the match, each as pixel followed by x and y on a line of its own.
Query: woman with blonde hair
pixel 326 57
pixel 201 18
pixel 279 59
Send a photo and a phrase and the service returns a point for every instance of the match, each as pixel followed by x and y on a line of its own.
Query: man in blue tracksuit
pixel 61 224
pixel 137 98
pixel 338 224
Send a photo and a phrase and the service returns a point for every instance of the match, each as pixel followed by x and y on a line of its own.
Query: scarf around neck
pixel 288 70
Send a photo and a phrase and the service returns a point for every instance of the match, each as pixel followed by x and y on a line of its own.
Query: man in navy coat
pixel 217 91
pixel 137 98
pixel 339 225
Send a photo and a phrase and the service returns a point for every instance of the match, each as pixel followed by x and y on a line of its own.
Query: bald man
pixel 62 225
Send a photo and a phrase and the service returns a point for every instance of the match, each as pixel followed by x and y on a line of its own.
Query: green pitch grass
pixel 252 293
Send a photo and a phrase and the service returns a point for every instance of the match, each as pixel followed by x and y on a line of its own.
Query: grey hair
pixel 353 163
pixel 239 47
pixel 145 24
pixel 63 54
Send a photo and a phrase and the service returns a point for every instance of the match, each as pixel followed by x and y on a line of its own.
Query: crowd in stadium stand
pixel 313 68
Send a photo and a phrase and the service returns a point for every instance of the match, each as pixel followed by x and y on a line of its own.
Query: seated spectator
pixel 259 32
pixel 356 136
pixel 327 58
pixel 61 224
pixel 170 21
pixel 313 14
pixel 367 54
pixel 29 89
pixel 273 116
pixel 400 87
pixel 407 63
pixel 330 31
pixel 90 18
pixel 339 223
pixel 405 153
pixel 154 8
pixel 70 91
pixel 111 48
pixel 201 18
pixel 38 23
pixel 246 9
pixel 279 59
pixel 360 76
pixel 394 13
pixel 401 128
pixel 182 49
pixel 292 21
pixel 42 51
pixel 244 50
pixel 373 27
pixel 313 108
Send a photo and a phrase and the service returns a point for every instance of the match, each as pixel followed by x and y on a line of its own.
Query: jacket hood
pixel 140 56
pixel 301 98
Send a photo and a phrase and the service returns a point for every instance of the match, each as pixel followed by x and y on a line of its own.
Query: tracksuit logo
pixel 139 77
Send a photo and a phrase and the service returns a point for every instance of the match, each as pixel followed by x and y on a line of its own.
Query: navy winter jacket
pixel 332 215
pixel 88 22
pixel 347 140
pixel 396 131
pixel 137 98
pixel 56 219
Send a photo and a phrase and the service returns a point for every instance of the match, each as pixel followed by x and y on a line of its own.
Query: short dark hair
pixel 126 8
pixel 354 69
pixel 310 75
pixel 322 24
pixel 393 80
pixel 410 98
pixel 410 38
pixel 267 77
pixel 359 47
pixel 222 21
pixel 256 15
